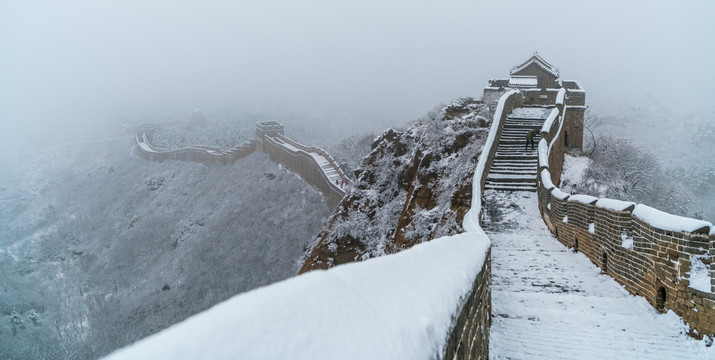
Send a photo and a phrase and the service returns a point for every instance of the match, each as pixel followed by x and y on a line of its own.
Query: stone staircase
pixel 514 169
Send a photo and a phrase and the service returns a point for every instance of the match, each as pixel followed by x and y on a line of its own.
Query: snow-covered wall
pixel 668 259
pixel 510 100
pixel 202 154
pixel 393 307
pixel 311 163
pixel 314 165
pixel 305 165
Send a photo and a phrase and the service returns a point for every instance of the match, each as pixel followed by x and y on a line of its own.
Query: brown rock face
pixel 414 186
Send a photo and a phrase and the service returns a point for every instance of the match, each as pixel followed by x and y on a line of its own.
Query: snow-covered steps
pixel 499 186
pixel 551 303
pixel 511 177
pixel 514 167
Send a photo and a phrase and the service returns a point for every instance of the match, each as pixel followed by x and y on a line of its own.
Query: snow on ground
pixel 551 303
pixel 531 113
pixel 573 172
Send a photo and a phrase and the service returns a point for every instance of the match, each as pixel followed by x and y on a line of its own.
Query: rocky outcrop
pixel 413 187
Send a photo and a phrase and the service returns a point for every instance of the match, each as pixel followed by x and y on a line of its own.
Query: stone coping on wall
pixel 615 205
pixel 558 194
pixel 584 199
pixel 668 222
pixel 546 179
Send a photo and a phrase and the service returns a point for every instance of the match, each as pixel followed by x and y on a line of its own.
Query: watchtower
pixel 539 84
pixel 267 128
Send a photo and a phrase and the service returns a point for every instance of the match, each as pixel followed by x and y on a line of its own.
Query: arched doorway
pixel 660 298
pixel 604 262
pixel 566 139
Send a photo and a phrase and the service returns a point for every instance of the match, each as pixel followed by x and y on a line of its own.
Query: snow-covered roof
pixel 670 222
pixel 539 61
pixel 523 81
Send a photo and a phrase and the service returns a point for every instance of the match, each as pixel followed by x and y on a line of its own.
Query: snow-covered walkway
pixel 551 303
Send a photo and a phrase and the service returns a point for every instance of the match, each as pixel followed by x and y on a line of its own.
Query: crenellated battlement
pixel 650 252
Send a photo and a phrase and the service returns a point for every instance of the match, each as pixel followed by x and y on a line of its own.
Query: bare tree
pixel 591 122
pixel 621 170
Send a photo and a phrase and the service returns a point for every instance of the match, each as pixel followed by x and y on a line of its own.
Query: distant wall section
pixel 314 165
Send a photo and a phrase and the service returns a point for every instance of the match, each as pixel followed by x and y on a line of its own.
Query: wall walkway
pixel 651 253
pixel 550 302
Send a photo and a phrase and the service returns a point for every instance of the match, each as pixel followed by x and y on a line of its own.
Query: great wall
pixel 314 165
pixel 649 252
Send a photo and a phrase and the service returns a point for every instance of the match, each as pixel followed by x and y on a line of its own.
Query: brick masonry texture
pixel 469 337
pixel 656 265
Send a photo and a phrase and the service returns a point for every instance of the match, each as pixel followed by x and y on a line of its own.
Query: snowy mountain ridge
pixel 414 186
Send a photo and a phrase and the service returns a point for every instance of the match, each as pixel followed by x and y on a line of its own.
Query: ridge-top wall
pixel 651 253
pixel 298 159
pixel 270 139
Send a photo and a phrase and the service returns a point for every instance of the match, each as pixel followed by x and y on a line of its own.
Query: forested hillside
pixel 99 248
pixel 683 144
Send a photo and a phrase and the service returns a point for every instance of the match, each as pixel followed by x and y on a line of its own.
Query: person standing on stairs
pixel 530 139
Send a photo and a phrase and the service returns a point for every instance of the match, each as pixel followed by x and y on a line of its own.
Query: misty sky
pixel 70 63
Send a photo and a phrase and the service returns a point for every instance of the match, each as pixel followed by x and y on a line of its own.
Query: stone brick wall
pixel 542 97
pixel 573 127
pixel 301 163
pixel 469 336
pixel 513 101
pixel 649 260
pixel 203 154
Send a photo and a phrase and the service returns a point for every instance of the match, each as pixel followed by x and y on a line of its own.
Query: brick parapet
pixel 650 260
pixel 203 154
pixel 303 164
pixel 712 260
pixel 469 335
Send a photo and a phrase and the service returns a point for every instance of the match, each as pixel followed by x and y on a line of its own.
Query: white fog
pixel 77 202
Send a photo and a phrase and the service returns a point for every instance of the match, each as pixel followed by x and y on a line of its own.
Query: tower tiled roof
pixel 523 81
pixel 539 61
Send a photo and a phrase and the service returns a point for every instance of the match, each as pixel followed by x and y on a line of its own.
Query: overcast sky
pixel 63 63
